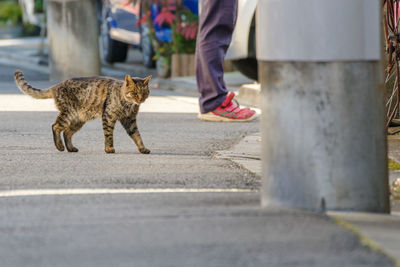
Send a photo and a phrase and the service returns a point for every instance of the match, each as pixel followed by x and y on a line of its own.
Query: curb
pixel 364 236
pixel 243 156
pixel 250 95
pixel 364 240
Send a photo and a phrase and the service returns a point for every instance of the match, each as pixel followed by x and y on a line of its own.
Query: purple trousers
pixel 216 24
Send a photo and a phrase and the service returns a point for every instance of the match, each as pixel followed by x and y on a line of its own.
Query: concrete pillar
pixel 73 38
pixel 324 142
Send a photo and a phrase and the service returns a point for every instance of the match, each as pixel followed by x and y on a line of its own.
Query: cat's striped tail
pixel 28 89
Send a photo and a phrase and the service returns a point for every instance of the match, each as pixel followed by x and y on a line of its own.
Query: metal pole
pixel 324 142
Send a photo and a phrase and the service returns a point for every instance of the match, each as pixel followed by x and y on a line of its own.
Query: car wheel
pixel 249 66
pixel 146 46
pixel 112 50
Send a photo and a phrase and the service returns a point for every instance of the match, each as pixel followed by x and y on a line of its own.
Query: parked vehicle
pixel 117 19
pixel 242 50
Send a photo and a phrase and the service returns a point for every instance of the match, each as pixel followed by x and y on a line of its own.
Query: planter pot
pixel 163 67
pixel 182 65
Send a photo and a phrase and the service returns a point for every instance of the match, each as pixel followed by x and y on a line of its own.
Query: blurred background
pixel 158 35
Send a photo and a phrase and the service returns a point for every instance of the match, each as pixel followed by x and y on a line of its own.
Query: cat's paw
pixel 110 150
pixel 144 150
pixel 60 146
pixel 72 149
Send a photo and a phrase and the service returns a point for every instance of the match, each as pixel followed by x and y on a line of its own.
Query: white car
pixel 242 50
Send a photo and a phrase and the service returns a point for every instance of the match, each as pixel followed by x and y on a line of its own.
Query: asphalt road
pixel 147 226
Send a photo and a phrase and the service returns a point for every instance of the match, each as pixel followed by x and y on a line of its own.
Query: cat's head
pixel 136 89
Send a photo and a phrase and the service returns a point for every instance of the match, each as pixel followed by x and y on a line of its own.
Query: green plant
pixel 182 22
pixel 165 50
pixel 38 8
pixel 393 165
pixel 10 13
pixel 30 29
pixel 184 33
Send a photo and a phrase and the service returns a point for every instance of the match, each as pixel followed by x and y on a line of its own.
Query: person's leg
pixel 216 24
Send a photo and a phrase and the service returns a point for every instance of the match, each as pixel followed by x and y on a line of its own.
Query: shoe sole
pixel 209 116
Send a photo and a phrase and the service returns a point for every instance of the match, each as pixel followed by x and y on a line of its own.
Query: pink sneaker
pixel 229 110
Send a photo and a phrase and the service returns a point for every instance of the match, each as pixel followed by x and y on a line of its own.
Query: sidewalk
pixel 13 52
pixel 374 230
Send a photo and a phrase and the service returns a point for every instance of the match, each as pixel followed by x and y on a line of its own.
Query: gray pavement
pixel 181 150
pixel 186 226
pixel 381 231
pixel 172 230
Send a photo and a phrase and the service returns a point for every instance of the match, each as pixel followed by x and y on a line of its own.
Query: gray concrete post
pixel 323 136
pixel 73 38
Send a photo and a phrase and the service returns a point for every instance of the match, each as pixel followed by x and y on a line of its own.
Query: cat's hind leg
pixel 69 132
pixel 60 125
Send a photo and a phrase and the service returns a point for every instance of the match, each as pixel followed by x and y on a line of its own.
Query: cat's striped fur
pixel 83 99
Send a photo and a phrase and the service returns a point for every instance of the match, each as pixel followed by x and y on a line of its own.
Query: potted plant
pixel 184 40
pixel 174 52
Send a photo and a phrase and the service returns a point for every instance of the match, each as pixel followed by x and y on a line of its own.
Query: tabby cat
pixel 83 99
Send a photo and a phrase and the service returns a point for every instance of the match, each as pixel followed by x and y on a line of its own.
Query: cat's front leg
pixel 130 126
pixel 108 129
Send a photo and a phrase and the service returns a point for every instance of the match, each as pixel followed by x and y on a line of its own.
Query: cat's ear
pixel 128 79
pixel 147 79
